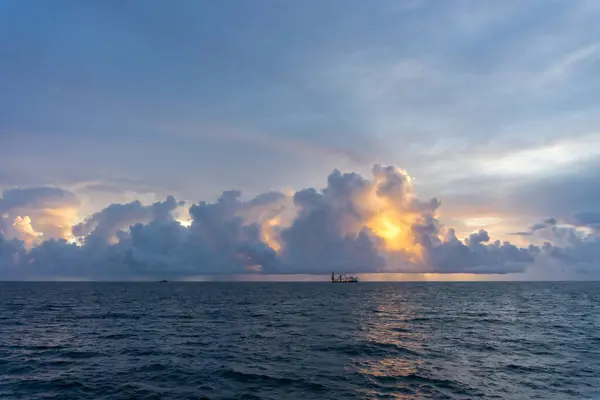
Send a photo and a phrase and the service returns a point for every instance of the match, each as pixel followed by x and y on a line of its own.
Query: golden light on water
pixel 432 277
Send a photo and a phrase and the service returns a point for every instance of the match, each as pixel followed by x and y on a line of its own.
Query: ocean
pixel 300 341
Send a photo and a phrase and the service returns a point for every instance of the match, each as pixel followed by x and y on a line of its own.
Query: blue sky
pixel 492 106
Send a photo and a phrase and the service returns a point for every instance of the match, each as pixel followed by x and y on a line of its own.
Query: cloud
pixel 217 241
pixel 354 224
pixel 335 99
pixel 25 232
pixel 36 197
pixel 104 225
pixel 379 225
pixel 563 194
pixel 574 246
pixel 30 213
pixel 474 256
pixel 569 194
pixel 590 219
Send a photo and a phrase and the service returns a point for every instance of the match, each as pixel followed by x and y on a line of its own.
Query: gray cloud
pixel 563 194
pixel 575 246
pixel 570 195
pixel 103 225
pixel 334 228
pixel 36 197
pixel 315 243
pixel 217 242
pixel 474 256
pixel 590 219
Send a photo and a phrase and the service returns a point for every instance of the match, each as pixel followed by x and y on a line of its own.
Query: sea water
pixel 299 341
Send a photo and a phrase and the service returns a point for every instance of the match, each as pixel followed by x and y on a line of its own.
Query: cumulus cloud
pixel 30 214
pixel 103 226
pixel 218 241
pixel 474 256
pixel 378 225
pixel 572 244
pixel 353 224
pixel 25 232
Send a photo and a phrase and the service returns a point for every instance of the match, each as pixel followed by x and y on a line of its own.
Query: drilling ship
pixel 342 278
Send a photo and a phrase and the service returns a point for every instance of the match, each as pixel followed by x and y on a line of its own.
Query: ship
pixel 342 278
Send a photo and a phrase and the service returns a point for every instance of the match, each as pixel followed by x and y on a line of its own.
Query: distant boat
pixel 163 281
pixel 342 278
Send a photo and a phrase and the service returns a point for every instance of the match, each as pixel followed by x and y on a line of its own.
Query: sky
pixel 405 138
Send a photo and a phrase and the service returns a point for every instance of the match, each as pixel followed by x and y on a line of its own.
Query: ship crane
pixel 342 278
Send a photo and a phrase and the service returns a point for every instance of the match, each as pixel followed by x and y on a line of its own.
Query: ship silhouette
pixel 342 278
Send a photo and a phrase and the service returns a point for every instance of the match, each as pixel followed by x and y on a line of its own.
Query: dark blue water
pixel 299 341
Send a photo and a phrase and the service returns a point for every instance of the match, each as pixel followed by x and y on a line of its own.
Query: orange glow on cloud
pixel 59 221
pixel 269 235
pixel 394 228
pixel 388 217
pixel 392 219
pixel 49 223
pixel 25 231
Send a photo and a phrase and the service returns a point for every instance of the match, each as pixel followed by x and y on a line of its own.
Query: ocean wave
pixel 281 343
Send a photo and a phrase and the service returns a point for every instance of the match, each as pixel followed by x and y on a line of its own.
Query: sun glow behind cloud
pixel 269 235
pixel 354 224
pixel 61 219
pixel 394 228
pixel 391 219
pixel 186 222
pixel 383 206
pixel 25 232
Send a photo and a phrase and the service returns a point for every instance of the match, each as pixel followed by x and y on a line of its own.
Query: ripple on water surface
pixel 299 341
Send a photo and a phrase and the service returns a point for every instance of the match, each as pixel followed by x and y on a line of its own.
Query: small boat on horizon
pixel 342 278
pixel 163 281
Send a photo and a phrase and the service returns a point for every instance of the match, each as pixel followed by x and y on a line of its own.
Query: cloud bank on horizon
pixel 354 224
